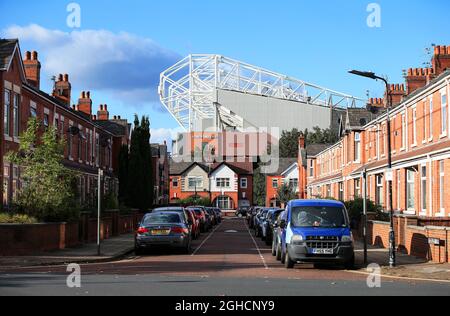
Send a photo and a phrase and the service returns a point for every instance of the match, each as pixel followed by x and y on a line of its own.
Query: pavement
pixel 111 249
pixel 227 261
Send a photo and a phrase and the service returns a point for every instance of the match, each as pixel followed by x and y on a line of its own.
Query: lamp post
pixel 373 76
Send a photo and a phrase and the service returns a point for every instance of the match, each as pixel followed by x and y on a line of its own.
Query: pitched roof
pixel 315 149
pixel 283 165
pixel 113 127
pixel 7 47
pixel 358 118
pixel 178 168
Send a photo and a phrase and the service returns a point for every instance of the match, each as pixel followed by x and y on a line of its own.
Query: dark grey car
pixel 162 230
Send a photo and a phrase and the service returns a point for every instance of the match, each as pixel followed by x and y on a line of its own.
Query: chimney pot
pixel 82 95
pixel 88 94
pixel 66 78
pixel 101 107
pixel 60 77
pixel 437 50
pixel 105 107
pixel 27 55
pixel 119 117
pixel 34 55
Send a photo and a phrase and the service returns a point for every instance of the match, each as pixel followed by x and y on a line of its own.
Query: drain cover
pixel 230 231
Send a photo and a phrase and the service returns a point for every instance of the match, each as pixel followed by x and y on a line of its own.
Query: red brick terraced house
pixel 228 185
pixel 93 140
pixel 287 173
pixel 160 163
pixel 420 147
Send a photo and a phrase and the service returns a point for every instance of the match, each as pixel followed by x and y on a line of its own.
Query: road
pixel 229 261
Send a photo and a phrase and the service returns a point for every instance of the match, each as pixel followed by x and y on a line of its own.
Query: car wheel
pixel 274 248
pixel 278 252
pixel 283 256
pixel 350 265
pixel 288 263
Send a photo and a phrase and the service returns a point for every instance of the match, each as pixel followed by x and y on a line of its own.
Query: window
pixel 6 174
pixel 379 190
pixel 311 168
pixel 357 188
pixel 293 183
pixel 403 131
pixel 341 191
pixel 175 182
pixel 431 119
pixel 16 121
pixel 328 188
pixel 97 149
pixel 33 112
pixel 424 122
pixel 444 115
pixel 195 183
pixel 275 183
pixel 224 203
pixel 414 127
pixel 357 147
pixel 423 188
pixel 441 186
pixel 244 183
pixel 223 182
pixel 79 150
pixel 70 144
pixel 7 112
pixel 399 188
pixel 410 190
pixel 46 120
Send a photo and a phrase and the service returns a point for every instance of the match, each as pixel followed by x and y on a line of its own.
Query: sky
pixel 121 47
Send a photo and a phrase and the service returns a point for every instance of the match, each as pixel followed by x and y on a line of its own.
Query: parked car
pixel 251 216
pixel 164 229
pixel 317 231
pixel 196 224
pixel 219 214
pixel 279 232
pixel 212 216
pixel 259 220
pixel 269 224
pixel 200 215
pixel 183 212
pixel 242 212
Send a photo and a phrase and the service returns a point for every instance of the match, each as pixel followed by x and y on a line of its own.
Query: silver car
pixel 163 230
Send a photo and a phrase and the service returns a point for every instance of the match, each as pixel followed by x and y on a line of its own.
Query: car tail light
pixel 179 230
pixel 142 231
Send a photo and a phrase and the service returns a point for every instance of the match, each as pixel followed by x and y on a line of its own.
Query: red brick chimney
pixel 377 102
pixel 63 89
pixel 418 78
pixel 441 59
pixel 85 103
pixel 32 69
pixel 397 93
pixel 301 142
pixel 102 113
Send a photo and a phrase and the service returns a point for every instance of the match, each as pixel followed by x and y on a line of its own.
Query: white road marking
pixel 257 248
pixel 206 239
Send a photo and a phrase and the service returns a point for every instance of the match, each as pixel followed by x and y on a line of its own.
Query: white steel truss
pixel 188 88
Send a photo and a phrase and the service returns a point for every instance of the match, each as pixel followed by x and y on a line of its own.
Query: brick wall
pixel 412 239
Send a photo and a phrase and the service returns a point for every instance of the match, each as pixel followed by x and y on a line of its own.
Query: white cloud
pixel 123 64
pixel 159 135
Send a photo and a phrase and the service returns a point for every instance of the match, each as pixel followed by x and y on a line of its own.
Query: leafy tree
pixel 286 193
pixel 259 188
pixel 123 173
pixel 47 192
pixel 320 136
pixel 289 140
pixel 140 185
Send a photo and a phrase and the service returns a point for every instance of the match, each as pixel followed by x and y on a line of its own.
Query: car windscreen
pixel 161 218
pixel 197 211
pixel 319 216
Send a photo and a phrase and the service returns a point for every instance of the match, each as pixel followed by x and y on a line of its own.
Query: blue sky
pixel 122 46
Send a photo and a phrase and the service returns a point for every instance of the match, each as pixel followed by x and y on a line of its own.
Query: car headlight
pixel 297 239
pixel 348 238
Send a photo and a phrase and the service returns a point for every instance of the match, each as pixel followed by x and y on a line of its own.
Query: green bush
pixel 355 208
pixel 16 219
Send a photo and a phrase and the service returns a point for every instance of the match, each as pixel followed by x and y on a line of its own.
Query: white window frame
pixel 423 188
pixel 409 182
pixel 444 114
pixel 357 147
pixel 275 183
pixel 357 188
pixel 441 187
pixel 175 183
pixel 223 183
pixel 244 183
pixel 404 132
pixel 431 109
pixel 7 112
pixel 399 188
pixel 380 190
pixel 198 183
pixel 414 128
pixel 311 168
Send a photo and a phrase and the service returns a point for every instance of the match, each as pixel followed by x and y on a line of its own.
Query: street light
pixel 371 75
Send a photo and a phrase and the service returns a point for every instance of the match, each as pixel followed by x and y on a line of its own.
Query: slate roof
pixel 7 47
pixel 283 165
pixel 315 149
pixel 358 118
pixel 112 127
pixel 178 168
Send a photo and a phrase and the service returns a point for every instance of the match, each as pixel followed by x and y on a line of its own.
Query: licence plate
pixel 322 251
pixel 160 232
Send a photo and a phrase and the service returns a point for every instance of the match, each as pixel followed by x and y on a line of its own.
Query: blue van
pixel 316 231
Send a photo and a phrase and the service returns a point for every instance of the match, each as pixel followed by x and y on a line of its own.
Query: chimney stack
pixel 85 103
pixel 63 89
pixel 377 102
pixel 102 113
pixel 301 142
pixel 32 69
pixel 397 93
pixel 418 78
pixel 441 59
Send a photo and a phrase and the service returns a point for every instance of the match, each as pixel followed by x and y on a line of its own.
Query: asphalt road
pixel 227 262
